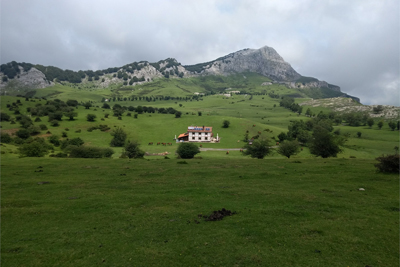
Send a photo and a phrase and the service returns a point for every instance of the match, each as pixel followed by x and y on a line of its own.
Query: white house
pixel 198 134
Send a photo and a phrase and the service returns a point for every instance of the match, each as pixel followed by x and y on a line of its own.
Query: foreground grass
pixel 306 212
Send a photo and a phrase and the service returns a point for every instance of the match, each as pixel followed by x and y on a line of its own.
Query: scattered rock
pixel 361 189
pixel 43 182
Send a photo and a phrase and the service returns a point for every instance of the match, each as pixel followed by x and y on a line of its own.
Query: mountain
pixel 264 61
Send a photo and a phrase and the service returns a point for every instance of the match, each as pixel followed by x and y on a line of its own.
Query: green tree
pixel 288 148
pixel 34 149
pixel 258 149
pixel 90 117
pixel 119 137
pixel 132 150
pixel 178 114
pixel 187 150
pixel 370 122
pixel 23 133
pixel 325 144
pixel 380 124
pixel 87 105
pixel 392 125
pixel 71 114
pixel 225 124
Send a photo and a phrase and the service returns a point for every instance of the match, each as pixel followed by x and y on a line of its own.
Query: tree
pixel 225 124
pixel 370 122
pixel 258 149
pixel 71 114
pixel 87 105
pixel 288 148
pixel 392 125
pixel 132 150
pixel 90 117
pixel 282 136
pixel 36 148
pixel 178 114
pixel 380 124
pixel 23 133
pixel 324 144
pixel 187 150
pixel 119 137
pixel 199 113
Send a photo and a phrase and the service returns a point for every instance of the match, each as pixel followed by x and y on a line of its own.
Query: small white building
pixel 198 134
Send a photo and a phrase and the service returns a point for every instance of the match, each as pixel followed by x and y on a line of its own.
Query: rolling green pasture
pixel 306 212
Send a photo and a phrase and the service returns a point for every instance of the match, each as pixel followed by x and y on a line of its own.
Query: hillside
pixel 20 78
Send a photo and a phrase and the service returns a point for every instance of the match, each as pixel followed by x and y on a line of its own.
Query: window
pixel 193 138
pixel 205 138
pixel 199 138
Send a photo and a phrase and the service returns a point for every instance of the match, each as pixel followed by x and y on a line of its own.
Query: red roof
pixel 195 129
pixel 182 135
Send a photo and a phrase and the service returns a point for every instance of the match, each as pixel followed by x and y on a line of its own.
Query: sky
pixel 353 44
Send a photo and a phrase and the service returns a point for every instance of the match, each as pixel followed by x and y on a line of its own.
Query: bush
pixel 55 140
pixel 5 138
pixel 4 116
pixel 90 117
pixel 187 150
pixel 388 164
pixel 33 149
pixel 132 150
pixel 43 127
pixel 89 152
pixel 225 124
pixel 119 137
pixel 23 133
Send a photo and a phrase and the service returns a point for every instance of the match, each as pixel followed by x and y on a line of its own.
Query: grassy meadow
pixel 302 211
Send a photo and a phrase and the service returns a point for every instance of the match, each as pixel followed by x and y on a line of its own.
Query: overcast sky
pixel 350 43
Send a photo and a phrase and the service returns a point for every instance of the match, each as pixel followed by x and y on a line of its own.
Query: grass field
pixel 306 212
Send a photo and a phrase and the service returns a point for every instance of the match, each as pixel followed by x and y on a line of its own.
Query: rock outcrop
pixel 265 61
pixel 32 79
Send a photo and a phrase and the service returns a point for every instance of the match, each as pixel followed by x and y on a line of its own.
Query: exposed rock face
pixel 265 61
pixel 32 78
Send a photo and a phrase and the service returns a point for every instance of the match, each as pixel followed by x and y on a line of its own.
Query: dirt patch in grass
pixel 10 131
pixel 217 215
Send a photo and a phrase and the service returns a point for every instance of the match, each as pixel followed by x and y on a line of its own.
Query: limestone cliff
pixel 265 61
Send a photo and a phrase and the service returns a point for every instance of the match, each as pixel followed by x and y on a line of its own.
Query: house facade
pixel 198 134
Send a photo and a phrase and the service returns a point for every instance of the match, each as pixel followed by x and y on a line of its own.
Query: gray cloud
pixel 353 44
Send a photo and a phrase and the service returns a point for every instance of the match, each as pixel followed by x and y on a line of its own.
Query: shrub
pixel 5 138
pixel 90 117
pixel 132 150
pixel 388 164
pixel 43 127
pixel 4 117
pixel 54 123
pixel 33 149
pixel 23 133
pixel 89 152
pixel 187 150
pixel 119 137
pixel 55 140
pixel 225 124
